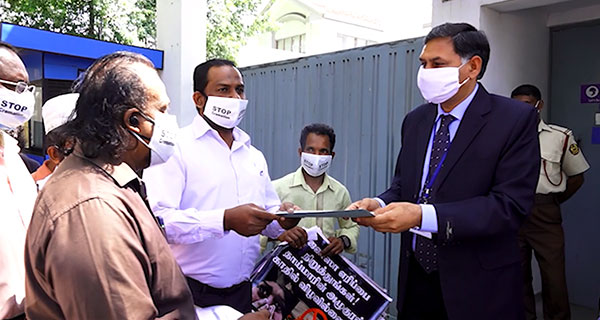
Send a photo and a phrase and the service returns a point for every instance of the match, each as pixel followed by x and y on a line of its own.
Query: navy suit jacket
pixel 482 194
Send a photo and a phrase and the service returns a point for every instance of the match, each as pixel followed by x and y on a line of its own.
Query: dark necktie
pixel 425 249
pixel 140 187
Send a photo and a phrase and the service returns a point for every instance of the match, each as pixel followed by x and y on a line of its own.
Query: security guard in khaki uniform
pixel 561 175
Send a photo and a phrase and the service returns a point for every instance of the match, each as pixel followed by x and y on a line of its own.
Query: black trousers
pixel 542 234
pixel 238 296
pixel 423 299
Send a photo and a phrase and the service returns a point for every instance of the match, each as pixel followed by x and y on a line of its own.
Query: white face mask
pixel 225 112
pixel 15 108
pixel 164 137
pixel 315 165
pixel 438 85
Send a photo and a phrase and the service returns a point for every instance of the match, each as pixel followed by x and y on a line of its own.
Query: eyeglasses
pixel 20 86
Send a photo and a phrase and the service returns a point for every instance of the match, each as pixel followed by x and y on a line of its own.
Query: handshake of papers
pixel 326 213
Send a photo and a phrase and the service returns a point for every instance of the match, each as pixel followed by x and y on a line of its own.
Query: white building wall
pixel 520 44
pixel 323 35
pixel 181 33
pixel 455 11
pixel 322 31
pixel 575 15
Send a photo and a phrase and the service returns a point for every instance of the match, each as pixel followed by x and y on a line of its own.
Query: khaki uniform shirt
pixel 332 195
pixel 553 177
pixel 95 251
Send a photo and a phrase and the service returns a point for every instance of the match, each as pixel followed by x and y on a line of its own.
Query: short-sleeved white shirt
pixel 553 178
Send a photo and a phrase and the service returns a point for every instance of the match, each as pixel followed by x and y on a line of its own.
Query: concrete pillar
pixel 181 33
pixel 456 11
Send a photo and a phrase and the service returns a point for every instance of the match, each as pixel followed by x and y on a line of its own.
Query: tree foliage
pixel 126 22
pixel 230 23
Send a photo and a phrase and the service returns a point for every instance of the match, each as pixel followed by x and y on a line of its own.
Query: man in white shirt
pixel 17 189
pixel 215 194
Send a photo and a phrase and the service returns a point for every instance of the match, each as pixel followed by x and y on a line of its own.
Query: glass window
pixel 302 44
pixel 295 43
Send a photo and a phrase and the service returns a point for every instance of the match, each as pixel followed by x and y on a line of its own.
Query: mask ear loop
pixel 467 79
pixel 139 136
pixel 536 106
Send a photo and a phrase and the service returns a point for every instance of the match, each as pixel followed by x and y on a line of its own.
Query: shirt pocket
pixel 253 182
pixel 551 164
pixel 552 155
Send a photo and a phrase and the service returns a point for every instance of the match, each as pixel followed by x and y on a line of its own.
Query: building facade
pixel 310 27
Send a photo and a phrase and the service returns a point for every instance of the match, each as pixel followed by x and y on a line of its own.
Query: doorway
pixel 575 61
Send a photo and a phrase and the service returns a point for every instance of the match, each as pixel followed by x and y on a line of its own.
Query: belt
pixel 198 286
pixel 549 198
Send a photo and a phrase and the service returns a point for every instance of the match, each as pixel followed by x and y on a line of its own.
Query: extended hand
pixel 336 246
pixel 368 204
pixel 247 219
pixel 295 236
pixel 289 222
pixel 395 217
pixel 258 315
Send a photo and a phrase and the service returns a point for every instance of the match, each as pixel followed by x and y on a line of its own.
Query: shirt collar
pixel 43 171
pixel 300 181
pixel 459 111
pixel 543 126
pixel 200 128
pixel 122 173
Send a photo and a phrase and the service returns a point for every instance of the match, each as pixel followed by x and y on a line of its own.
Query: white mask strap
pixel 468 78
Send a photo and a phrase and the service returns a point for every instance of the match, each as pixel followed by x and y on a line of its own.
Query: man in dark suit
pixel 465 180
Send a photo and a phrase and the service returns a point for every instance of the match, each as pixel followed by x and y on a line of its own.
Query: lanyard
pixel 430 178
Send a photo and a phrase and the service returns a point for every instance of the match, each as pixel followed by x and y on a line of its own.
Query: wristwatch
pixel 345 241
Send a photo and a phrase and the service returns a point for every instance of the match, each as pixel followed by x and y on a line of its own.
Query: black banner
pixel 299 284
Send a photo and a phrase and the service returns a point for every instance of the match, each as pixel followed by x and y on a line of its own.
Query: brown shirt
pixel 94 250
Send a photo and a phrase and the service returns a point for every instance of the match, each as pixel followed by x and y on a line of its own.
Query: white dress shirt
pixel 17 197
pixel 191 191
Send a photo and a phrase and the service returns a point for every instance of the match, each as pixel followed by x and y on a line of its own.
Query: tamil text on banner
pixel 300 284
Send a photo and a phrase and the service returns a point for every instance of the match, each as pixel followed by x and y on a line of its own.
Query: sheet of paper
pixel 421 233
pixel 327 213
pixel 217 313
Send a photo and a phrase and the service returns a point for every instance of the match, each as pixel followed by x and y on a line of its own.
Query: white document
pixel 421 233
pixel 217 313
pixel 313 232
